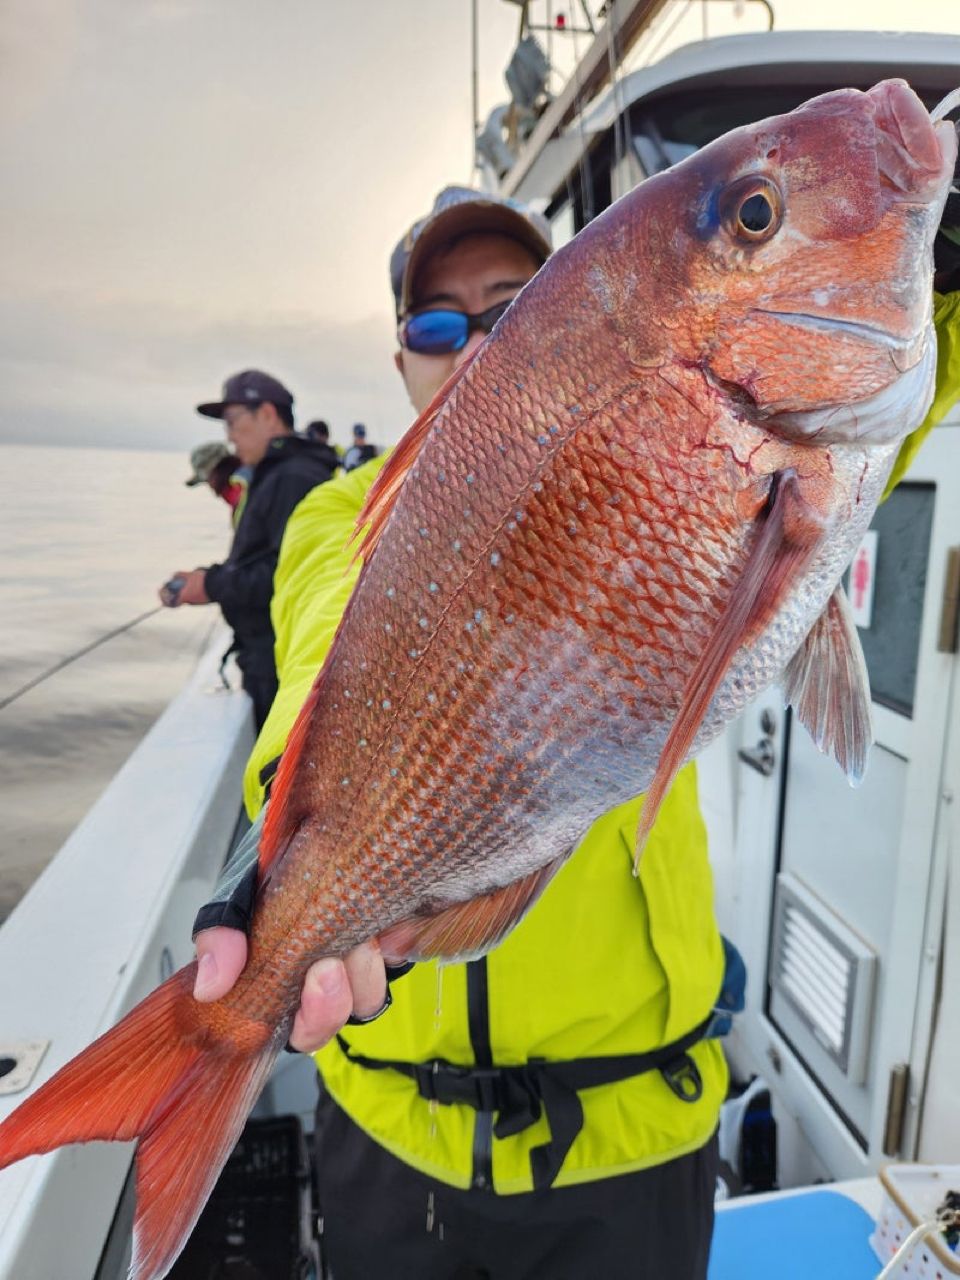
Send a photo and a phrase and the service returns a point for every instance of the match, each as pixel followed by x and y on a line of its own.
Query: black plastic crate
pixel 258 1223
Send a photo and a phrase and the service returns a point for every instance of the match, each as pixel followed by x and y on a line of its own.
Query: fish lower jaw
pixel 908 350
pixel 883 418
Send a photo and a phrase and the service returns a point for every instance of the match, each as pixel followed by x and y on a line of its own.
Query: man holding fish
pixel 654 953
pixel 620 518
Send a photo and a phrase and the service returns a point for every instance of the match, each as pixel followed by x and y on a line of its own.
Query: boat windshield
pixel 669 128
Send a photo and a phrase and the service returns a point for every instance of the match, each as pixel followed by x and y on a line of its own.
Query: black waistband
pixel 520 1094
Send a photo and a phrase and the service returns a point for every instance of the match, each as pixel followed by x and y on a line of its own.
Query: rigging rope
pixel 65 662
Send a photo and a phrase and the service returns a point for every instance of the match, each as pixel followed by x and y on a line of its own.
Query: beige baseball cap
pixel 458 211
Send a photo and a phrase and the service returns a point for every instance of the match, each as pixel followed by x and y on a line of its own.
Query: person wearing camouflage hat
pixel 203 459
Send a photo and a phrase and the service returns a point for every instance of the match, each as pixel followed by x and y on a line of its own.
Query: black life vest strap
pixel 520 1094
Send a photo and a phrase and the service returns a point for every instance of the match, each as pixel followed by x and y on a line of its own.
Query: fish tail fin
pixel 165 1076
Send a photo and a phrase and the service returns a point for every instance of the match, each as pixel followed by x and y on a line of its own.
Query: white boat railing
pixel 105 922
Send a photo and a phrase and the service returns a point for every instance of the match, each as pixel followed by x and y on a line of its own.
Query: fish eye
pixel 755 214
pixel 752 209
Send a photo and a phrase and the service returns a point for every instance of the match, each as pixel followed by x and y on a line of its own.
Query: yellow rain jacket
pixel 605 964
pixel 946 319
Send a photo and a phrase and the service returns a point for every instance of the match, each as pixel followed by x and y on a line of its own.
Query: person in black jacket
pixel 257 412
pixel 319 433
pixel 360 451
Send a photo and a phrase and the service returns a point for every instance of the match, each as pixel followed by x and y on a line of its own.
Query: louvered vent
pixel 825 972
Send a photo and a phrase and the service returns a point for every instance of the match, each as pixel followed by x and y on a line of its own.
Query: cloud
pixel 121 373
pixel 39 40
pixel 195 187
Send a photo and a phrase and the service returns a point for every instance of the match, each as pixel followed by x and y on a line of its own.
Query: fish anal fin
pixel 827 685
pixel 468 929
pixel 384 490
pixel 789 533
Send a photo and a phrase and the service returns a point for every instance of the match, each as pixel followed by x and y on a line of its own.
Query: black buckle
pixel 683 1077
pixel 439 1081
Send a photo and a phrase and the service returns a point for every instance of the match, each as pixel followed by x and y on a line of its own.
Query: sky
pixel 193 187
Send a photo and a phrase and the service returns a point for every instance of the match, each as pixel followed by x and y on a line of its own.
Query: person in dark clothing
pixel 360 451
pixel 214 465
pixel 230 480
pixel 319 433
pixel 257 412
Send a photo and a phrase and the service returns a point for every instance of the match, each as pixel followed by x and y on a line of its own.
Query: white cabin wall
pixel 940 1122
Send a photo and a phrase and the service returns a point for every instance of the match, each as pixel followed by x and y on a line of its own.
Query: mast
pixel 629 18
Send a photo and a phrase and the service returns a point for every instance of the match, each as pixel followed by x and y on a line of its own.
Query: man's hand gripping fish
pixel 622 520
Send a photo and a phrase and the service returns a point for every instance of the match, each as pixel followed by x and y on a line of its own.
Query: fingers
pixel 325 1005
pixel 368 979
pixel 221 955
pixel 333 990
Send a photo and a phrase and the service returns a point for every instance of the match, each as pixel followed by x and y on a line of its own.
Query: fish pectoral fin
pixel 827 685
pixel 468 929
pixel 790 532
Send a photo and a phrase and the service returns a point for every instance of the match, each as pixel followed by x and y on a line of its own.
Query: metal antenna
pixel 475 53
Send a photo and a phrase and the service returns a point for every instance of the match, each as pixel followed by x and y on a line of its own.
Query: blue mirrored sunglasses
pixel 438 331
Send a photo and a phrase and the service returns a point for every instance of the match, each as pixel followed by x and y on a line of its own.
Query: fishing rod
pixel 65 662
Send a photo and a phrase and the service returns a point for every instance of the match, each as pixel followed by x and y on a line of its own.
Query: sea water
pixel 87 537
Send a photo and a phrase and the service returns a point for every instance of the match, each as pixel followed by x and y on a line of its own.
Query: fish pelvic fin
pixel 790 533
pixel 384 490
pixel 826 683
pixel 468 929
pixel 165 1077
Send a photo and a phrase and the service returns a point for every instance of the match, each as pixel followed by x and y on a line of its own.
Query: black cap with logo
pixel 252 387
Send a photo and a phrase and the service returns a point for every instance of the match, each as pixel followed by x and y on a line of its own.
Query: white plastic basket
pixel 912 1193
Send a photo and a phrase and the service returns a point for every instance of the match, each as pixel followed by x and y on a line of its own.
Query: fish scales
pixel 508 702
pixel 532 708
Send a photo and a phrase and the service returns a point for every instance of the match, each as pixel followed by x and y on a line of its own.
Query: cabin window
pixel 891 644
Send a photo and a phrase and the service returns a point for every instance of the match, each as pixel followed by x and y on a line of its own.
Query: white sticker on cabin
pixel 863 572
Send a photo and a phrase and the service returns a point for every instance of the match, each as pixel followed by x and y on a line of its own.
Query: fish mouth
pixel 905 352
pixel 883 418
pixel 916 152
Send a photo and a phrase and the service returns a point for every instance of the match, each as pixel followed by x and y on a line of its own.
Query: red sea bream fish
pixel 620 522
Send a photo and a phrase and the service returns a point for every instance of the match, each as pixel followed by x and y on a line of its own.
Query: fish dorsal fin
pixel 281 821
pixel 789 535
pixel 383 492
pixel 826 683
pixel 469 929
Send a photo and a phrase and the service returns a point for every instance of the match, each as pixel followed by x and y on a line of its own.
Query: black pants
pixel 261 685
pixel 383 1219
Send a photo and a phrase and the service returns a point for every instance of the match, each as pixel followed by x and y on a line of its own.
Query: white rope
pixel 941 1222
pixel 946 105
